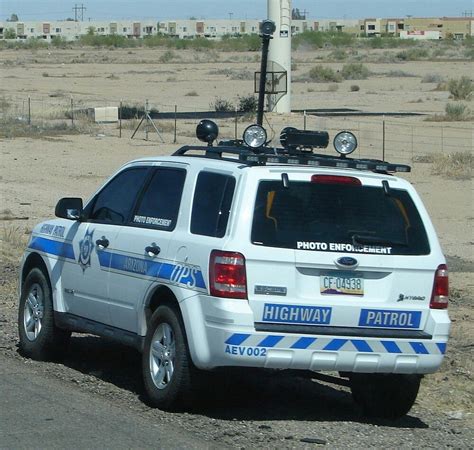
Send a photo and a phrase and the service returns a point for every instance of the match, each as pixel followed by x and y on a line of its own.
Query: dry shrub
pixel 455 166
pixel 323 74
pixel 355 88
pixel 461 89
pixel 13 240
pixel 432 78
pixel 457 112
pixel 355 71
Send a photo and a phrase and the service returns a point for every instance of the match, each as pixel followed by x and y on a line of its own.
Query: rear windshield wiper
pixel 374 240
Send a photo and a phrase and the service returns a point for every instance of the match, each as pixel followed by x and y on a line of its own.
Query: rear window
pixel 337 218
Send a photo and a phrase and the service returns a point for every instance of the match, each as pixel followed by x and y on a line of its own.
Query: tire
pixel 170 378
pixel 40 339
pixel 388 396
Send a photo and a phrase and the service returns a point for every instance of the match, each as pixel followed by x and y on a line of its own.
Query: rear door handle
pixel 102 243
pixel 153 250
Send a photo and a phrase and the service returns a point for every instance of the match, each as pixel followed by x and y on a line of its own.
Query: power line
pixel 81 9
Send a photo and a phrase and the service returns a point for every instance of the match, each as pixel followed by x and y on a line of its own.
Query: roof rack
pixel 269 155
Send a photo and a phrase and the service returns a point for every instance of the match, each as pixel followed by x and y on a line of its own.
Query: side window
pixel 159 206
pixel 115 202
pixel 211 204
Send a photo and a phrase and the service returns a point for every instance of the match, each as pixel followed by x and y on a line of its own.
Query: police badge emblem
pixel 85 249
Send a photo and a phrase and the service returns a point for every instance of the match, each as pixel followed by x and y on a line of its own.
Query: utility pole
pixel 230 15
pixel 81 9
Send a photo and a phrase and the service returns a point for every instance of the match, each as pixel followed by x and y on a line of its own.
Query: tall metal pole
pixel 263 73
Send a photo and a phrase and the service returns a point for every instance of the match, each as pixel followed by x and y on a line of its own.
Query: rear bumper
pixel 222 333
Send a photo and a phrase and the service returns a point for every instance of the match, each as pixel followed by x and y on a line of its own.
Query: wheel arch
pixel 160 295
pixel 36 260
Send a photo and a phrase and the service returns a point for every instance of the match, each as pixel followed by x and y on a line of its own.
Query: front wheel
pixel 39 337
pixel 388 396
pixel 168 372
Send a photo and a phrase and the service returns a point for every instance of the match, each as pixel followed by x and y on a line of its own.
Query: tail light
pixel 227 275
pixel 440 295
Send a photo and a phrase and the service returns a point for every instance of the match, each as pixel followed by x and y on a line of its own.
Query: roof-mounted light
pixel 255 136
pixel 345 142
pixel 207 131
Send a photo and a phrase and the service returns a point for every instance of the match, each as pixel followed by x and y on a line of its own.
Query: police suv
pixel 247 255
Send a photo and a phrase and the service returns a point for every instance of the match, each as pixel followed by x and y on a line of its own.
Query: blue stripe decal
pixel 442 347
pixel 361 346
pixel 391 347
pixel 57 248
pixel 335 344
pixel 184 275
pixel 303 343
pixel 419 348
pixel 237 339
pixel 270 341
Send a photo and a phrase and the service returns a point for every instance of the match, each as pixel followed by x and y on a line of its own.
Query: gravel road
pixel 256 409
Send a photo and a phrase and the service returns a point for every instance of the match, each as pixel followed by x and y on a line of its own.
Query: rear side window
pixel 211 204
pixel 338 218
pixel 159 205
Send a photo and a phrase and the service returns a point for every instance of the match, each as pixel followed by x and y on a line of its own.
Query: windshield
pixel 337 218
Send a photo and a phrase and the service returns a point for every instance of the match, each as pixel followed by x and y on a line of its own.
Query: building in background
pixel 409 27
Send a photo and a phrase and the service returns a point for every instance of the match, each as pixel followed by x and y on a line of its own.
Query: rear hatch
pixel 339 254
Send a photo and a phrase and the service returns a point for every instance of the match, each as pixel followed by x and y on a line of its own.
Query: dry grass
pixel 11 128
pixel 455 166
pixel 13 240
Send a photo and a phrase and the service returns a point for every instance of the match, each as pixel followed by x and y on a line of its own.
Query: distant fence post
pixel 72 112
pixel 383 139
pixel 120 118
pixel 304 120
pixel 175 123
pixel 235 124
pixel 29 110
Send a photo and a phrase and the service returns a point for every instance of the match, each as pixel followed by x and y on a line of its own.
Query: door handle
pixel 102 243
pixel 152 250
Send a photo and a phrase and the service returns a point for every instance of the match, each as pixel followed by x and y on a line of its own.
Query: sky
pixel 224 9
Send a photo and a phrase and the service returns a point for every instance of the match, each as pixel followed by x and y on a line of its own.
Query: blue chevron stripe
pixel 361 345
pixel 52 247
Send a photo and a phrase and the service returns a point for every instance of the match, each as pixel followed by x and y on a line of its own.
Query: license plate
pixel 341 284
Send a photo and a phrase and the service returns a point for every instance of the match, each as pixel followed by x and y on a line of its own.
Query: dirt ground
pixel 36 170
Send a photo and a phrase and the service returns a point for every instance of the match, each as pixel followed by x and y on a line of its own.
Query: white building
pixel 70 30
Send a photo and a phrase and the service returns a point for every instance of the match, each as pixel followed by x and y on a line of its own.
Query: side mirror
pixel 69 208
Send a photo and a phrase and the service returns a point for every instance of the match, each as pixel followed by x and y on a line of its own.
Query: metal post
pixel 304 120
pixel 120 119
pixel 29 110
pixel 263 77
pixel 383 140
pixel 442 139
pixel 146 118
pixel 235 124
pixel 72 111
pixel 175 123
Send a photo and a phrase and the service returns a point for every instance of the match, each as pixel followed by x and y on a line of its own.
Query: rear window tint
pixel 211 204
pixel 338 218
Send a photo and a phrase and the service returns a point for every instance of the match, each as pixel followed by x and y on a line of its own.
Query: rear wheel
pixel 39 337
pixel 388 396
pixel 168 372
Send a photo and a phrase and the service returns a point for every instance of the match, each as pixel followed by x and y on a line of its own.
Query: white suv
pixel 244 255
